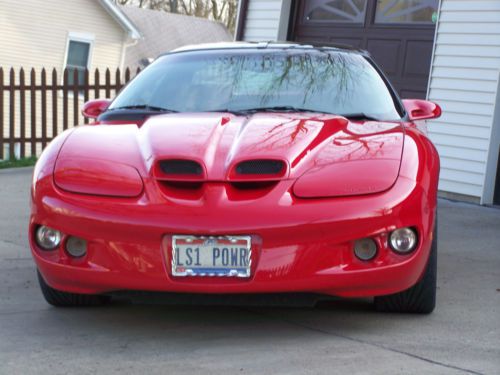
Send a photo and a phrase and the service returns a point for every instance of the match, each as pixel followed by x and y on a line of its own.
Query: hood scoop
pixel 261 167
pixel 178 167
pixel 258 170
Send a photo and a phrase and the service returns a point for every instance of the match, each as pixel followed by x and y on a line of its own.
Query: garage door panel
pixel 411 94
pixel 386 53
pixel 414 64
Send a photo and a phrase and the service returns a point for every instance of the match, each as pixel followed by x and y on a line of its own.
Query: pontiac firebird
pixel 243 169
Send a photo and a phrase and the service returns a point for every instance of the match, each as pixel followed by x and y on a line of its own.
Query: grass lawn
pixel 16 163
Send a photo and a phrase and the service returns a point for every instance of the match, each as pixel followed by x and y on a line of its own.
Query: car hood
pixel 304 142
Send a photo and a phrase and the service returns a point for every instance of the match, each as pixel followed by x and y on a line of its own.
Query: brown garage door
pixel 398 33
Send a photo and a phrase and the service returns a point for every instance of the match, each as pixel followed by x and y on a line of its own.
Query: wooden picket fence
pixel 33 111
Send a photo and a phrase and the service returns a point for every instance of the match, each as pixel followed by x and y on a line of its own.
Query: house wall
pixel 464 81
pixel 34 33
pixel 267 20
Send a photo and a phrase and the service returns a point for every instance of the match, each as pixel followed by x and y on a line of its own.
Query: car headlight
pixel 403 240
pixel 47 238
pixel 357 177
pixel 365 248
pixel 76 247
pixel 97 177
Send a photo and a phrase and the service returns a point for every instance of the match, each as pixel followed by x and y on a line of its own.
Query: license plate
pixel 226 256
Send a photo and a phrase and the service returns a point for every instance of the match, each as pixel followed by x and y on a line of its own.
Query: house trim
pixel 241 20
pixel 79 37
pixel 492 160
pixel 434 49
pixel 122 19
pixel 284 24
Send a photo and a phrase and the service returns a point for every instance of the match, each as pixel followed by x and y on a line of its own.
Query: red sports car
pixel 244 169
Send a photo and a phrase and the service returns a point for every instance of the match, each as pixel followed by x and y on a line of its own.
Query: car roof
pixel 268 45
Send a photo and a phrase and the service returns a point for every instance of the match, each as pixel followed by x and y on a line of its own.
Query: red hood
pixel 218 142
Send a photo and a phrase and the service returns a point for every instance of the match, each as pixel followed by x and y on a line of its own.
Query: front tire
pixel 64 299
pixel 420 298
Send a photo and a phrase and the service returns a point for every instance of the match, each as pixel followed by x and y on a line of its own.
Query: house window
pixel 406 11
pixel 78 58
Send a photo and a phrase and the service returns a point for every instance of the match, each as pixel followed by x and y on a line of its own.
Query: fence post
pixel 1 113
pixel 86 89
pixel 33 110
pixel 76 96
pixel 44 108
pixel 118 81
pixel 97 87
pixel 65 99
pixel 54 103
pixel 12 102
pixel 127 75
pixel 22 111
pixel 108 84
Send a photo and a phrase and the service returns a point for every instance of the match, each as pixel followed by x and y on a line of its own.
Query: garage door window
pixel 406 11
pixel 343 11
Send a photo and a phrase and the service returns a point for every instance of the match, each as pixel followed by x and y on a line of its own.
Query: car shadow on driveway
pixel 346 334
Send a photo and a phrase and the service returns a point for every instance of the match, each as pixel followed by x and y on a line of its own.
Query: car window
pixel 333 82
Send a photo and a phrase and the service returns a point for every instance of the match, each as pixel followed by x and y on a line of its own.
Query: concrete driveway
pixel 346 337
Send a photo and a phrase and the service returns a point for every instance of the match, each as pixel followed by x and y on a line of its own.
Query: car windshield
pixel 261 80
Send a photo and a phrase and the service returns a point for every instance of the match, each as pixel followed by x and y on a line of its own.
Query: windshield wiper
pixel 285 108
pixel 146 108
pixel 360 116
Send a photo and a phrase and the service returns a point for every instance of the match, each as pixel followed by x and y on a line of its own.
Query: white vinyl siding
pixel 263 20
pixel 464 81
pixel 34 33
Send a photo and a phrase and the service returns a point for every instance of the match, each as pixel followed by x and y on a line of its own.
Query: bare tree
pixel 223 11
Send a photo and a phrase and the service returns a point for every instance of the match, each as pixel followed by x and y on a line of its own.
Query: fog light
pixel 47 238
pixel 76 247
pixel 365 249
pixel 403 240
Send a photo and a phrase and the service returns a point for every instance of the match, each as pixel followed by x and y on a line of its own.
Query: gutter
pixel 122 19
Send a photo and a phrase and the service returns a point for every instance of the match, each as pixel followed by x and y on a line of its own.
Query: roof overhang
pixel 132 31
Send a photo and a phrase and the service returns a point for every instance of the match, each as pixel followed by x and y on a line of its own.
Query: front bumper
pixel 298 245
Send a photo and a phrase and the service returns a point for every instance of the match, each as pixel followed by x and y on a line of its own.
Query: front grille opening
pixel 249 190
pixel 254 185
pixel 184 190
pixel 183 185
pixel 260 167
pixel 181 167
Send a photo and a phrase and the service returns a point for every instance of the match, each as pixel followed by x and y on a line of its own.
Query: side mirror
pixel 93 108
pixel 421 109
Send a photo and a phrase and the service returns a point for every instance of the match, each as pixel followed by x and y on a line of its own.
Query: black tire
pixel 64 299
pixel 421 297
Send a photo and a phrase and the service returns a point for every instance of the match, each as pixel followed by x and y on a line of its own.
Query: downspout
pixel 126 45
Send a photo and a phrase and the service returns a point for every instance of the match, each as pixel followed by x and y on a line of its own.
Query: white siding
pixel 34 33
pixel 464 81
pixel 263 20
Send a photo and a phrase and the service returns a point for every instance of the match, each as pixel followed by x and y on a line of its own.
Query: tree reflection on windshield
pixel 236 80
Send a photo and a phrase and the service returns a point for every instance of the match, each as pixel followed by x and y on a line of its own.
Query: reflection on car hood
pixel 218 141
